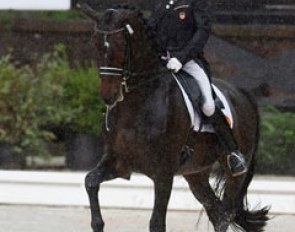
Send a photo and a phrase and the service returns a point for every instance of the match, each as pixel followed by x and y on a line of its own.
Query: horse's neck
pixel 145 57
pixel 153 85
pixel 146 108
pixel 146 64
pixel 149 113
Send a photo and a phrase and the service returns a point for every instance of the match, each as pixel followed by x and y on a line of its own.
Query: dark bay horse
pixel 147 125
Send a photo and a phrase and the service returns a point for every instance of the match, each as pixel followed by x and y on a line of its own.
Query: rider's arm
pixel 201 36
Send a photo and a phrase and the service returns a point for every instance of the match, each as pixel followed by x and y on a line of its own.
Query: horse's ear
pixel 88 11
pixel 136 12
pixel 130 19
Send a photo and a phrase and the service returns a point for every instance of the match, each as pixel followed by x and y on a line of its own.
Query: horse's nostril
pixel 107 101
pixel 109 90
pixel 111 99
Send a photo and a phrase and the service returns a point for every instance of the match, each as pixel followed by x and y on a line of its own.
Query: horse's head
pixel 119 38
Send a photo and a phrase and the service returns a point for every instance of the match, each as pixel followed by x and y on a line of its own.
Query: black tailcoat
pixel 183 29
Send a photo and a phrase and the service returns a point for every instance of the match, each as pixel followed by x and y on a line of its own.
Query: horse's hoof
pixel 97 226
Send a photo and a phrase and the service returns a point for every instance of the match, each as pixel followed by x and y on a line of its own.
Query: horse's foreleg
pixel 201 189
pixel 94 178
pixel 163 187
pixel 92 184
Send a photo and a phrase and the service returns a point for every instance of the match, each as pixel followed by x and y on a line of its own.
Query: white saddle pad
pixel 195 117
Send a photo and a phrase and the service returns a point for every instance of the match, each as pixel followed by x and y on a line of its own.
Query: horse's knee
pixel 92 180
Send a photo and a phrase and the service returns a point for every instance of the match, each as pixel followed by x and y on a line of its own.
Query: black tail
pixel 246 220
pixel 250 220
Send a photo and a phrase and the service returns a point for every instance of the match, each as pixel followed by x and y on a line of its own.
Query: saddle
pixel 193 91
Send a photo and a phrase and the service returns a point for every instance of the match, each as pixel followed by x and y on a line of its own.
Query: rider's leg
pixel 235 158
pixel 202 79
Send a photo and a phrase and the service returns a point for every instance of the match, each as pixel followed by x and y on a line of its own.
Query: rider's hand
pixel 174 65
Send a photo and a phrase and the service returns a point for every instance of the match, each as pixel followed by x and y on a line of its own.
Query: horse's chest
pixel 147 117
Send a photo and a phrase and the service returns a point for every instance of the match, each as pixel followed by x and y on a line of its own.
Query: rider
pixel 181 29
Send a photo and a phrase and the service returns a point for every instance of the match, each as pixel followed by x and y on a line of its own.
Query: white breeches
pixel 200 76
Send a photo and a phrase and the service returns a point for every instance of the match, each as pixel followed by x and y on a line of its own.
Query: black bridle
pixel 125 71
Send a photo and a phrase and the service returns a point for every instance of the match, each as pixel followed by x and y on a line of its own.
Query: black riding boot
pixel 235 159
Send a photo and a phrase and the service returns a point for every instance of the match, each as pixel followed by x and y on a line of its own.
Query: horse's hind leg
pixel 200 187
pixel 102 172
pixel 163 187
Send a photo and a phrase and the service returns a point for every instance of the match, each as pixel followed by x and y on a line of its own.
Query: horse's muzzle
pixel 110 100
